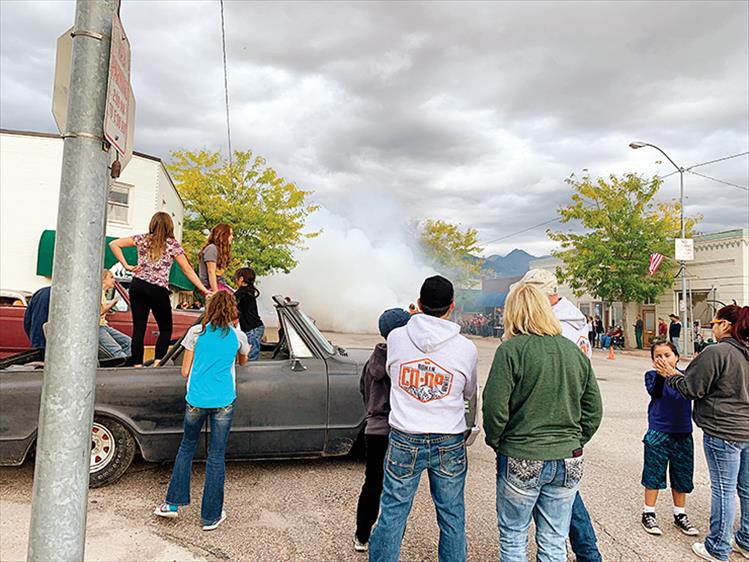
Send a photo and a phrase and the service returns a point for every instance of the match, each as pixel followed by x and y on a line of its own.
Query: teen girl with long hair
pixel 208 364
pixel 149 290
pixel 215 257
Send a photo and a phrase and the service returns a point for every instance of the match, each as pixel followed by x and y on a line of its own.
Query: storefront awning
pixel 46 254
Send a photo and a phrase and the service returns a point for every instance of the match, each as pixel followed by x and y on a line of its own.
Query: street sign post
pixel 116 118
pixel 63 60
pixel 684 249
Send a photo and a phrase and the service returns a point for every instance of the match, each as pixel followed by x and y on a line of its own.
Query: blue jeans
pixel 444 458
pixel 113 342
pixel 605 341
pixel 213 490
pixel 728 462
pixel 253 337
pixel 542 490
pixel 675 341
pixel 582 534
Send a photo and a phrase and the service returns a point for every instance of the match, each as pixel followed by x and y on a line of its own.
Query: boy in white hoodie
pixel 433 371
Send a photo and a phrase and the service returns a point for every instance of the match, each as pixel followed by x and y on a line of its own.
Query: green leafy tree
pixel 451 250
pixel 266 212
pixel 624 225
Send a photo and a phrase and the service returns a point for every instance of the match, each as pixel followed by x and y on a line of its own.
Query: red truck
pixel 13 338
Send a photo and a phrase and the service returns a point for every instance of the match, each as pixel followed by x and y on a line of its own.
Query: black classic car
pixel 299 400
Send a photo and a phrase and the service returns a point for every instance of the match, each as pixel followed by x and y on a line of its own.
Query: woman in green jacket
pixel 541 406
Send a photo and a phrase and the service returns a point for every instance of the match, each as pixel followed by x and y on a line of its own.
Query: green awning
pixel 46 254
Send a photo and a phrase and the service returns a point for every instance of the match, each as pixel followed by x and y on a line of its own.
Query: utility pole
pixel 63 451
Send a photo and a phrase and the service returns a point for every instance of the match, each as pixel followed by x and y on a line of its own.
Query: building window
pixel 118 203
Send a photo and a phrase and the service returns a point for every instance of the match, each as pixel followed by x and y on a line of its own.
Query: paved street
pixel 304 510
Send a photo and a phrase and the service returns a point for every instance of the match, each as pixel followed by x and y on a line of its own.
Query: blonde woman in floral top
pixel 149 291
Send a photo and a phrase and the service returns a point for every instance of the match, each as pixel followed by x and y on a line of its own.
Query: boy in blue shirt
pixel 211 349
pixel 668 445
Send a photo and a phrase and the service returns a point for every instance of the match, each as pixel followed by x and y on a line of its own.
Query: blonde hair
pixel 106 273
pixel 528 311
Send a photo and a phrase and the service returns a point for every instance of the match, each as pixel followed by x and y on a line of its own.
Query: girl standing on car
pixel 149 290
pixel 208 365
pixel 215 257
pixel 249 319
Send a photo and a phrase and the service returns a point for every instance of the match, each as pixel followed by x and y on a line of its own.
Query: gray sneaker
pixel 215 524
pixel 699 549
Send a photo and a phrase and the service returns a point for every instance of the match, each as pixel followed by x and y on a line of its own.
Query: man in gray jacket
pixel 375 388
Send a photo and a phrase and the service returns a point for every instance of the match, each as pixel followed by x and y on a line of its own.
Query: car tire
pixel 112 451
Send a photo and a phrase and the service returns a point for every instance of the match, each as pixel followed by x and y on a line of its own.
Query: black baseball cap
pixel 436 292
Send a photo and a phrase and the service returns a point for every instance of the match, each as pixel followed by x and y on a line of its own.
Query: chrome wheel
pixel 102 447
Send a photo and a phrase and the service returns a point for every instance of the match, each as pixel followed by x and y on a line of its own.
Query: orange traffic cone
pixel 611 352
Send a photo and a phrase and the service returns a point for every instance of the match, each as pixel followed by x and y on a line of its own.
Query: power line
pixel 226 79
pixel 717 160
pixel 719 181
pixel 521 231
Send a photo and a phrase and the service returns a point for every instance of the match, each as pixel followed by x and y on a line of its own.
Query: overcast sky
pixel 470 112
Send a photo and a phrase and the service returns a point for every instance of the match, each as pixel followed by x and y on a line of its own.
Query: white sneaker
pixel 166 510
pixel 736 548
pixel 699 549
pixel 360 546
pixel 212 526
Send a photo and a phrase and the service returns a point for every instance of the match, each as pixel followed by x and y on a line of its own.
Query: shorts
pixel 663 451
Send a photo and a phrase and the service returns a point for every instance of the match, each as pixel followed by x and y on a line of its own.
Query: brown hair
pixel 220 237
pixel 247 275
pixel 738 316
pixel 160 229
pixel 221 312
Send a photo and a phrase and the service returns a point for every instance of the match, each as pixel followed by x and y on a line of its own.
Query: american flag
pixel 655 261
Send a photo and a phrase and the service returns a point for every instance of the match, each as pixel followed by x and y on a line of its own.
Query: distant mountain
pixel 514 263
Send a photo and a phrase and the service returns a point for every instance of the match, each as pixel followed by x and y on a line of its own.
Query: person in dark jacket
pixel 638 331
pixel 375 388
pixel 674 331
pixel 249 318
pixel 718 382
pixel 36 315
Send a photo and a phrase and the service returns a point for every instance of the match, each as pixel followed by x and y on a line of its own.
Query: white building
pixel 718 274
pixel 30 168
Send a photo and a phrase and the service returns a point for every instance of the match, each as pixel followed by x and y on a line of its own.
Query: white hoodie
pixel 574 325
pixel 433 370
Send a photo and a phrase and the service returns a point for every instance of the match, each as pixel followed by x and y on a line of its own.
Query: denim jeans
pixel 582 534
pixel 675 341
pixel 253 337
pixel 728 462
pixel 113 342
pixel 213 489
pixel 444 458
pixel 605 341
pixel 543 491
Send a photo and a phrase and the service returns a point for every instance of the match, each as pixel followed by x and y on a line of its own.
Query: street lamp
pixel 685 329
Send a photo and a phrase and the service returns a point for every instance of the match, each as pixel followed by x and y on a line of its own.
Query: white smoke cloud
pixel 362 263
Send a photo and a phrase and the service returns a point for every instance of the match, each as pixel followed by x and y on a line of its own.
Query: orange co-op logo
pixel 425 380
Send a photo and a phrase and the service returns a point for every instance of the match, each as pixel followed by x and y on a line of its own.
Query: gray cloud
pixel 472 112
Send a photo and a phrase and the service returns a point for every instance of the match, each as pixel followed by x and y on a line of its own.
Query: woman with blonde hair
pixel 149 290
pixel 215 257
pixel 541 405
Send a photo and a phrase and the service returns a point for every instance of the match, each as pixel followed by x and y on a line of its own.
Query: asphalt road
pixel 305 510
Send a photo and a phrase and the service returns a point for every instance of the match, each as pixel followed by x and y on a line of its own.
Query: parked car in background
pixel 301 399
pixel 13 303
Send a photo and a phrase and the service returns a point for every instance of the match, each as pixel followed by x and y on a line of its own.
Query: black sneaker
pixel 650 524
pixel 682 523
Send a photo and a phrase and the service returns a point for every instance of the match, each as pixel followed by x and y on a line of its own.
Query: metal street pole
pixel 685 329
pixel 63 451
